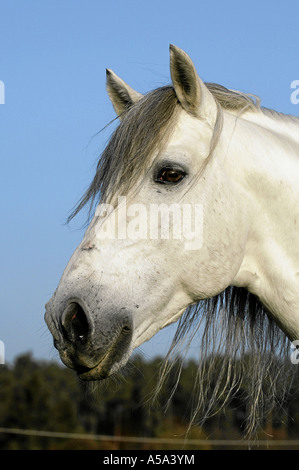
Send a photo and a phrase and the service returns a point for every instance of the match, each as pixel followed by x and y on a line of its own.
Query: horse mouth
pixel 115 357
pixel 98 372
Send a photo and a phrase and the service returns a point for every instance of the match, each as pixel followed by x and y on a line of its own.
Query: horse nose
pixel 76 327
pixel 95 343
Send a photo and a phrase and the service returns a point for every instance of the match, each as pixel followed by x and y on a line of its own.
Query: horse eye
pixel 169 175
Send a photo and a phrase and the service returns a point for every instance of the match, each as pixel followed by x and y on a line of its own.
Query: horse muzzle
pixel 94 344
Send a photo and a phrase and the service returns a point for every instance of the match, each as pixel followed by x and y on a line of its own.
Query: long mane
pixel 233 324
pixel 242 353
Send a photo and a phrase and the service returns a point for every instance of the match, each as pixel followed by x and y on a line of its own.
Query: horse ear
pixel 191 92
pixel 121 95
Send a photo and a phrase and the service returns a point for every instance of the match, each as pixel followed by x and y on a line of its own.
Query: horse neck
pixel 263 161
pixel 266 147
pixel 284 125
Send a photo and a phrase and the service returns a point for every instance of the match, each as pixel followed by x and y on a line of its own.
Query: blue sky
pixel 53 56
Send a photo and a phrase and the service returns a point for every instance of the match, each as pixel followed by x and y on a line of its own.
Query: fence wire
pixel 290 444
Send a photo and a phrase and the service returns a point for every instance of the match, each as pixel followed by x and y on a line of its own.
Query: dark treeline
pixel 44 396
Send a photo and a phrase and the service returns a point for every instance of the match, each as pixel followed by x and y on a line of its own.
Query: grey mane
pixel 233 100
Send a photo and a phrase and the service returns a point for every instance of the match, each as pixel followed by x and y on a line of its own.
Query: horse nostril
pixel 75 325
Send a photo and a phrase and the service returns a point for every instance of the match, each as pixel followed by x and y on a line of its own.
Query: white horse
pixel 235 167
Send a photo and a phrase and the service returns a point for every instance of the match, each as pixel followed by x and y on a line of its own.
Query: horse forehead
pixel 189 133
